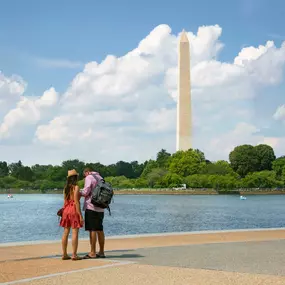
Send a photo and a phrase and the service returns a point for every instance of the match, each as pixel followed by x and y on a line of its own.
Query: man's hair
pixel 87 170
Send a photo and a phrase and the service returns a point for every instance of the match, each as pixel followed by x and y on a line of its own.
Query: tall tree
pixel 188 162
pixel 40 171
pixel 56 173
pixel 149 166
pixel 244 159
pixel 111 169
pixel 266 156
pixel 14 168
pixel 278 165
pixel 21 172
pixel 73 164
pixel 124 168
pixel 137 168
pixel 25 173
pixel 162 158
pixel 4 170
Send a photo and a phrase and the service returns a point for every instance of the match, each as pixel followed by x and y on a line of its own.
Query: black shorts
pixel 93 220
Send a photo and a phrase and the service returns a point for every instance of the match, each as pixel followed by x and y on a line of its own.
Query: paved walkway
pixel 241 257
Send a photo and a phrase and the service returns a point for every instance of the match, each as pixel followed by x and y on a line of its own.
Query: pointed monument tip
pixel 183 37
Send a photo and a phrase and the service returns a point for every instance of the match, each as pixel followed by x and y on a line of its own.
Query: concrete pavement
pixel 241 257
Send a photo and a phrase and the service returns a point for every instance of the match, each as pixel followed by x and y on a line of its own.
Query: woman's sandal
pixel 76 258
pixel 87 256
pixel 66 257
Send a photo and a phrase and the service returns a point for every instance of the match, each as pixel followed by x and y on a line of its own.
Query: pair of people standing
pixel 72 217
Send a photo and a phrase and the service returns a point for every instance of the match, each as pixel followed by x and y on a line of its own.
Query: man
pixel 93 215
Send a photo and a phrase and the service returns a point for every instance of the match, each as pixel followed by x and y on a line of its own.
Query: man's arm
pixel 87 187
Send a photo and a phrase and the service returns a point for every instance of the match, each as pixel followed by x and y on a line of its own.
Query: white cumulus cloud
pixel 124 108
pixel 280 113
pixel 28 112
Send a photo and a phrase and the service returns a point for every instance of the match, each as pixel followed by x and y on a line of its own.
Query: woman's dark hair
pixel 70 183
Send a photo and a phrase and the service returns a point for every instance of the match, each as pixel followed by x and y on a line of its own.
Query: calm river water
pixel 33 217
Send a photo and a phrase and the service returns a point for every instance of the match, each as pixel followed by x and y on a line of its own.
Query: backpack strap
pixel 108 208
pixel 95 176
pixel 97 179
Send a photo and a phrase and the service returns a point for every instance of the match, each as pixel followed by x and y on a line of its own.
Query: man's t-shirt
pixel 90 183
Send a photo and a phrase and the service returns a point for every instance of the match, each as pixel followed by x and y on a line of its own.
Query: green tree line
pixel 248 167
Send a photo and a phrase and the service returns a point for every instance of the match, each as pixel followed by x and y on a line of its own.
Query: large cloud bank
pixel 124 108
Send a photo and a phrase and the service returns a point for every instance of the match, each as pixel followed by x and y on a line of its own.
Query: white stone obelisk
pixel 184 118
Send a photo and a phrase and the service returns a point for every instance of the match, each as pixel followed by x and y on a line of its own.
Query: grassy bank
pixel 200 192
pixel 165 192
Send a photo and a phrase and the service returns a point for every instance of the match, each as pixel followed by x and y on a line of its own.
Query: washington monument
pixel 184 120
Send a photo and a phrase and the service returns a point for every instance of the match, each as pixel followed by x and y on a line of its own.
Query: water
pixel 33 217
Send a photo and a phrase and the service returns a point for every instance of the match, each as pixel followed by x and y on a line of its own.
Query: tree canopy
pixel 248 167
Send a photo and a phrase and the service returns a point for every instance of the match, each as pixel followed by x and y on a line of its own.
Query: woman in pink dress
pixel 71 216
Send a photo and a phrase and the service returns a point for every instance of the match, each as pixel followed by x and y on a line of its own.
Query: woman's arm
pixel 77 203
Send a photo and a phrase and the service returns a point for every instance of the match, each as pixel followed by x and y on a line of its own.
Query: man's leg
pixel 92 236
pixel 101 240
pixel 89 226
pixel 100 233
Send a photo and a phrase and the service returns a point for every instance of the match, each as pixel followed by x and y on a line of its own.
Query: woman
pixel 71 216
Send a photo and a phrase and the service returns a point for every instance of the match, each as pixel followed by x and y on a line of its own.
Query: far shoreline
pixel 197 191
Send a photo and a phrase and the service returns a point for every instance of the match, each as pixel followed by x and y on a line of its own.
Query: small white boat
pixel 10 196
pixel 242 198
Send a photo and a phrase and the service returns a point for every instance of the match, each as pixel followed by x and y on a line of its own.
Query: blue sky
pixel 84 30
pixel 48 43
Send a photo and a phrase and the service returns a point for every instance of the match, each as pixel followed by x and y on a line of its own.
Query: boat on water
pixel 10 196
pixel 242 198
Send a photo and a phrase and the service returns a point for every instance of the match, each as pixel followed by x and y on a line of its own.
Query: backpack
pixel 102 194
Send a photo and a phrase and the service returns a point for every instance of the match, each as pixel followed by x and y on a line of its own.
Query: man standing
pixel 93 215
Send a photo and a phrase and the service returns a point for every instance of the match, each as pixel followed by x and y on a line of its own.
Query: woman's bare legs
pixel 75 243
pixel 64 243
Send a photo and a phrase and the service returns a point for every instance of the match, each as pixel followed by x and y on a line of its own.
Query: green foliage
pixel 40 171
pixel 283 175
pixel 170 180
pixel 120 182
pixel 266 156
pixel 227 181
pixel 220 167
pixel 150 165
pixel 198 181
pixel 163 158
pixel 81 184
pixel 244 160
pixel 56 173
pixel 4 170
pixel 278 165
pixel 155 176
pixel 249 167
pixel 223 182
pixel 124 169
pixel 247 158
pixel 73 164
pixel 140 183
pixel 262 179
pixel 186 163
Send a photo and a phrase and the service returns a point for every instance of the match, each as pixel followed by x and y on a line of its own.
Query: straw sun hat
pixel 72 173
